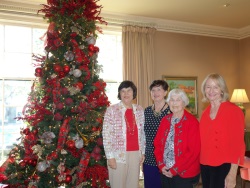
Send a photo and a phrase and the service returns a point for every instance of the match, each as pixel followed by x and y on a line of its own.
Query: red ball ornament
pixel 38 74
pixel 67 171
pixel 30 161
pixel 52 156
pixel 57 68
pixel 61 74
pixel 34 162
pixel 22 164
pixel 66 68
pixel 26 182
pixel 38 70
pixel 91 47
pixel 35 131
pixel 97 157
pixel 68 178
pixel 68 101
pixel 99 120
pixel 96 49
pixel 73 34
pixel 26 131
pixel 81 118
pixel 59 106
pixel 97 150
pixel 58 116
pixel 99 141
pixel 58 42
pixel 36 177
pixel 79 85
pixel 90 54
pixel 70 144
pixel 64 91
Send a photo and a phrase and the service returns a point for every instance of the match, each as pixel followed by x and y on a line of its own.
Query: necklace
pixel 157 114
pixel 130 128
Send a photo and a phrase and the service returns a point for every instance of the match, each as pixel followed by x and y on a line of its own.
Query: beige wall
pixel 191 55
pixel 244 73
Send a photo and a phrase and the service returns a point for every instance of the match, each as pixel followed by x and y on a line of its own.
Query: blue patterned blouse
pixel 150 127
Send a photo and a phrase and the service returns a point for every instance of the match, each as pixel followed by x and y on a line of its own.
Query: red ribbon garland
pixel 64 129
pixel 83 164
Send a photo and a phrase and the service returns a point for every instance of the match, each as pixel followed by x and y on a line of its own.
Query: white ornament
pixel 82 47
pixel 77 73
pixel 42 166
pixel 79 143
pixel 53 75
pixel 69 55
pixel 91 40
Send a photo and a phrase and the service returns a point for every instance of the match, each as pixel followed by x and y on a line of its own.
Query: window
pixel 16 78
pixel 110 57
pixel 17 74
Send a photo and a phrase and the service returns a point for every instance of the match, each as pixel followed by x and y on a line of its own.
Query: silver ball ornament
pixel 77 73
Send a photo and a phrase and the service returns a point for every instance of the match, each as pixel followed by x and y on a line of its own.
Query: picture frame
pixel 189 85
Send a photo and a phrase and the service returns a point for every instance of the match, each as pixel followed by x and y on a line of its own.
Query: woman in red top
pixel 177 144
pixel 222 135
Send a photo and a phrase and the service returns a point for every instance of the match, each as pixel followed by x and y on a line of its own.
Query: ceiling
pixel 236 13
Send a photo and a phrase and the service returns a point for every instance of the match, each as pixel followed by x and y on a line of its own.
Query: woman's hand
pixel 142 159
pixel 112 163
pixel 166 172
pixel 230 180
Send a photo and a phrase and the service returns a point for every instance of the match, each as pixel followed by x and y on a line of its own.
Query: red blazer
pixel 222 139
pixel 187 145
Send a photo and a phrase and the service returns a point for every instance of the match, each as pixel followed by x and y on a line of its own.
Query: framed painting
pixel 187 84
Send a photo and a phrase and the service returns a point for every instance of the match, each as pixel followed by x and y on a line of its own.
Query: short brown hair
pixel 127 84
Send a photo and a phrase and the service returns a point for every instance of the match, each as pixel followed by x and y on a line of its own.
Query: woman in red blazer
pixel 222 135
pixel 177 144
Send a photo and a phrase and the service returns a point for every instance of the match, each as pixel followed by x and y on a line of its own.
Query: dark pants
pixel 152 176
pixel 179 182
pixel 214 176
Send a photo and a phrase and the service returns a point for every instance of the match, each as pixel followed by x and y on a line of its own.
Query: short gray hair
pixel 180 93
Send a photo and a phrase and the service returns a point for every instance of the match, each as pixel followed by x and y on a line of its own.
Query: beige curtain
pixel 138 60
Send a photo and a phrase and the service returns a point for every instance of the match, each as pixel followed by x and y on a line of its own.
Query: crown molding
pixel 26 14
pixel 176 26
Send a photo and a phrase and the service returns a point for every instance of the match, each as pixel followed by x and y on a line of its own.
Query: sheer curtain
pixel 138 60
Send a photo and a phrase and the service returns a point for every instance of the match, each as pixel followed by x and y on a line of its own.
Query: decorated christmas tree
pixel 62 143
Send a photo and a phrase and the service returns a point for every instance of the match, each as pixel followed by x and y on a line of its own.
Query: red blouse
pixel 132 131
pixel 222 139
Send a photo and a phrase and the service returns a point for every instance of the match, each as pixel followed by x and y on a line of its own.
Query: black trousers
pixel 214 176
pixel 179 182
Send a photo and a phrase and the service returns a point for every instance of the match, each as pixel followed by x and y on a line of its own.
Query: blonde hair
pixel 220 82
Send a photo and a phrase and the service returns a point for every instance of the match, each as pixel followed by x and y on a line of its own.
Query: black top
pixel 150 127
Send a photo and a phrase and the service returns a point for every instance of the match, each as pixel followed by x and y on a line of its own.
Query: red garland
pixel 83 164
pixel 98 174
pixel 90 10
pixel 64 129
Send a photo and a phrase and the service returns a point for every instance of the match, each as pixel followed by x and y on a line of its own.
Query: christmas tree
pixel 62 143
